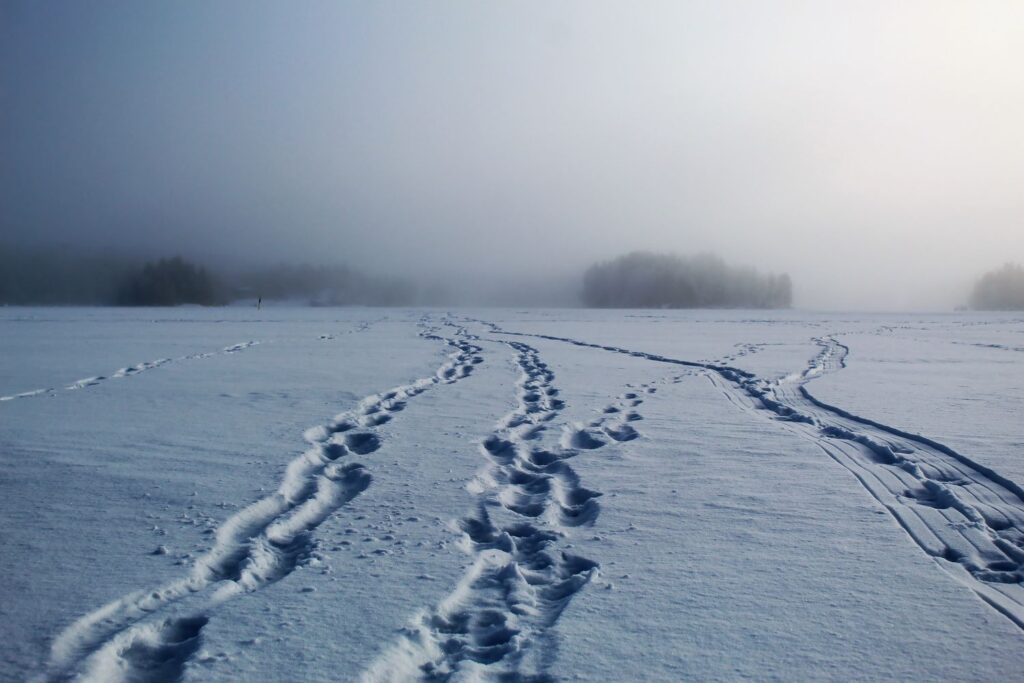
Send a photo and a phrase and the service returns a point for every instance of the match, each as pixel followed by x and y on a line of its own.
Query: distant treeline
pixel 648 280
pixel 1000 290
pixel 55 277
pixel 169 282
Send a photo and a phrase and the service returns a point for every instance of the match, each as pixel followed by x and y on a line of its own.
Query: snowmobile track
pixel 966 516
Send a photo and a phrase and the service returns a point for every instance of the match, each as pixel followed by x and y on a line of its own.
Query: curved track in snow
pixel 142 637
pixel 132 370
pixel 495 623
pixel 964 515
pixel 129 371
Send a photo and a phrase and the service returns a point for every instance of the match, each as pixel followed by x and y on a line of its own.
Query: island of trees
pixel 61 277
pixel 649 280
pixel 169 282
pixel 1000 290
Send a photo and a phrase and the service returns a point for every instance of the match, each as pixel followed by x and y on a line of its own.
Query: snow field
pixel 526 495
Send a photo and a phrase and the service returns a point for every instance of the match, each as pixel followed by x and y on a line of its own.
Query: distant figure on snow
pixel 259 303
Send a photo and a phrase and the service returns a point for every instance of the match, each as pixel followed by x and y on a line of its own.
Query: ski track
pixel 1000 347
pixel 137 638
pixel 149 365
pixel 495 624
pixel 964 515
pixel 130 371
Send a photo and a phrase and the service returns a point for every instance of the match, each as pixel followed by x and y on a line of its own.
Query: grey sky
pixel 873 150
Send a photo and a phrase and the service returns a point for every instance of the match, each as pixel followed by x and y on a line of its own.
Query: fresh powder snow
pixel 378 495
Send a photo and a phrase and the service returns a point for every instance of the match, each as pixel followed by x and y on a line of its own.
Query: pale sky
pixel 873 150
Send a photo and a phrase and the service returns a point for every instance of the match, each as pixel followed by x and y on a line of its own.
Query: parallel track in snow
pixel 966 516
pixel 141 637
pixel 495 623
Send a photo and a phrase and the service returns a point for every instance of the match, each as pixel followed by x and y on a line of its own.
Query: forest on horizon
pixel 639 279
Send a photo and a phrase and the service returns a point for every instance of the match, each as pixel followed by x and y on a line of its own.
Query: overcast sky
pixel 873 150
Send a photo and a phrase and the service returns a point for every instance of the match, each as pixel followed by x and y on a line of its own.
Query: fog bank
pixel 872 150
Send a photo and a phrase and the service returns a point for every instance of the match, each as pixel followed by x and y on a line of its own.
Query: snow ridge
pixel 521 578
pixel 964 515
pixel 259 545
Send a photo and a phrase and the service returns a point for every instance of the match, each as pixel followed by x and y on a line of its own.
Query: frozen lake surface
pixel 510 495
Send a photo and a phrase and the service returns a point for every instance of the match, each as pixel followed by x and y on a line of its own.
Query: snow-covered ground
pixel 384 495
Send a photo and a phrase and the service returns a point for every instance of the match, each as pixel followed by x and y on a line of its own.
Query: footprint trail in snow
pixel 966 516
pixel 495 624
pixel 142 637
pixel 130 371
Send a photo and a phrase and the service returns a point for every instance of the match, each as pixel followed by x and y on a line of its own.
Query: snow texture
pixel 409 495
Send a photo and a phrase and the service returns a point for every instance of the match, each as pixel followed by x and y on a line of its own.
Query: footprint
pixel 622 432
pixel 342 426
pixel 499 448
pixel 362 443
pixel 375 419
pixel 333 451
pixel 579 438
pixel 160 654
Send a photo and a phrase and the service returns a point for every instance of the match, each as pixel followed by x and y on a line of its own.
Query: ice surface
pixel 344 494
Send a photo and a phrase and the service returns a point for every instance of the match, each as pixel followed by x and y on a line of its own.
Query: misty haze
pixel 511 342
